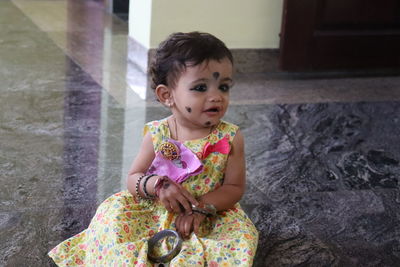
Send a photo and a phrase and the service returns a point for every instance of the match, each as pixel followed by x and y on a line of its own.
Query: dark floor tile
pixel 28 234
pixel 321 147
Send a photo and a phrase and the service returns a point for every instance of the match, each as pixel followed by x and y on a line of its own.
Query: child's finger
pixel 180 225
pixel 178 221
pixel 167 205
pixel 175 206
pixel 186 194
pixel 197 221
pixel 164 201
pixel 184 203
pixel 188 226
pixel 189 197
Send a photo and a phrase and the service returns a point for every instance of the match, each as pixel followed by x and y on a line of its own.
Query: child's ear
pixel 164 95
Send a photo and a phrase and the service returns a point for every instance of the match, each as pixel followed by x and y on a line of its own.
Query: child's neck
pixel 184 132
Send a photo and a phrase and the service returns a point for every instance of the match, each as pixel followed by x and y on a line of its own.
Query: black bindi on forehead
pixel 188 109
pixel 216 75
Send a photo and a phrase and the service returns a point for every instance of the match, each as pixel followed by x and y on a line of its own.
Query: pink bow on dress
pixel 222 146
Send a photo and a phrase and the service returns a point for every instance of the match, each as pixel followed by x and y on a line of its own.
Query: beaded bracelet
pixel 147 195
pixel 137 186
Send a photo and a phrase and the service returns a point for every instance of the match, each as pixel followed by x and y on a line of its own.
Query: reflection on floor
pixel 322 153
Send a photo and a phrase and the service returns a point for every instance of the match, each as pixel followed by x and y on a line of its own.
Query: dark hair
pixel 181 50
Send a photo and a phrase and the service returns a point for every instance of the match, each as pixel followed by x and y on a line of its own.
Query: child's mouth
pixel 212 111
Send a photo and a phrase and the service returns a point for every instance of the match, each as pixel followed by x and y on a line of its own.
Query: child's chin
pixel 211 123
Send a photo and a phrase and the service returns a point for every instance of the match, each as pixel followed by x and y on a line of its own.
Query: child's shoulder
pixel 227 126
pixel 155 126
pixel 156 123
pixel 225 129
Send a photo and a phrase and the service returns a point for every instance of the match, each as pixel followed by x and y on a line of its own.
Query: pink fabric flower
pixel 178 170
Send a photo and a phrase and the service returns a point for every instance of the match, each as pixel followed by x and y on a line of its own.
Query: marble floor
pixel 323 151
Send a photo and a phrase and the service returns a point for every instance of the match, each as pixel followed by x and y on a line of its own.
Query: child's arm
pixel 173 196
pixel 226 196
pixel 142 162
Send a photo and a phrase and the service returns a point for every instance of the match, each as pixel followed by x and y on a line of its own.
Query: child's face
pixel 201 93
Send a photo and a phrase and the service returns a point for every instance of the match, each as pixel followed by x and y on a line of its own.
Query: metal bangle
pixel 201 212
pixel 147 195
pixel 171 254
pixel 209 210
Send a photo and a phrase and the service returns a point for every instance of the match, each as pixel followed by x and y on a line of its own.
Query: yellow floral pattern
pixel 118 233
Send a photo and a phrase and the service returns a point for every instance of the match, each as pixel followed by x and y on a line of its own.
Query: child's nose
pixel 215 96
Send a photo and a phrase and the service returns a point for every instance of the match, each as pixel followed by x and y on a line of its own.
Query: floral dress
pixel 118 233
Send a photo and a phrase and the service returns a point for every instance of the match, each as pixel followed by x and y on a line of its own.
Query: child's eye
pixel 200 88
pixel 224 87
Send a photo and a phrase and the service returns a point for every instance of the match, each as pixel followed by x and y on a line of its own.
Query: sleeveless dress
pixel 118 233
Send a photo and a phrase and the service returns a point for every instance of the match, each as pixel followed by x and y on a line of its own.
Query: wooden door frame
pixel 306 45
pixel 292 34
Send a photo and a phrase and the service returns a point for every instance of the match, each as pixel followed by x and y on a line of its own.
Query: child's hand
pixel 174 197
pixel 186 224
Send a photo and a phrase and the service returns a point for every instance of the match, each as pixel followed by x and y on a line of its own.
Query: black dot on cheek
pixel 208 123
pixel 189 109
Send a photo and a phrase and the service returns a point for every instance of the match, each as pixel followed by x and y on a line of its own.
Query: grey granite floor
pixel 323 158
